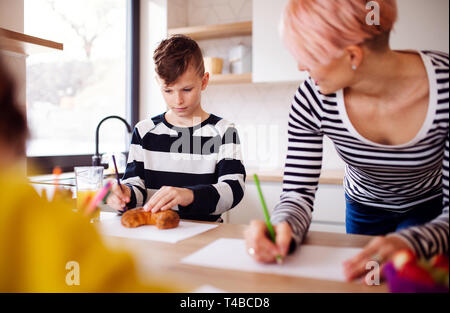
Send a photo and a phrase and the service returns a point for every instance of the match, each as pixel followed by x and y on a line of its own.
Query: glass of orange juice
pixel 89 180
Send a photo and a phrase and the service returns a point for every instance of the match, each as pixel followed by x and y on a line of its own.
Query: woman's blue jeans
pixel 368 220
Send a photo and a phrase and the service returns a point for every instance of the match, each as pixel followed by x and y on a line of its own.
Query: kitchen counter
pixel 65 179
pixel 158 260
pixel 330 177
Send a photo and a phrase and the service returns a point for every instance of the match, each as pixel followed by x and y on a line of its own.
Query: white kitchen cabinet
pixel 250 206
pixel 329 207
pixel 271 59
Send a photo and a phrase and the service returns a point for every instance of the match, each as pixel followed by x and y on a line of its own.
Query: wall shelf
pixel 214 31
pixel 221 79
pixel 24 44
pixel 203 32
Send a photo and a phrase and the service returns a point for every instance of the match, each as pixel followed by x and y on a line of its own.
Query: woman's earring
pixel 354 67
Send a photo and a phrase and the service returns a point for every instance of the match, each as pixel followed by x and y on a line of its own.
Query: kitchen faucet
pixel 96 158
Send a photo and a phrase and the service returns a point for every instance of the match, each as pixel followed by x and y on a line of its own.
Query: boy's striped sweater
pixel 205 158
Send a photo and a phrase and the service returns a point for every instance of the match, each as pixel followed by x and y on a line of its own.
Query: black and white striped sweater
pixel 205 158
pixel 389 177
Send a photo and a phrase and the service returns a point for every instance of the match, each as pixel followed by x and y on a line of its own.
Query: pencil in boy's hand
pixel 117 172
pixel 266 215
pixel 118 182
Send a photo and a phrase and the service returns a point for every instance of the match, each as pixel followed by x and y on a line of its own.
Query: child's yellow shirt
pixel 45 247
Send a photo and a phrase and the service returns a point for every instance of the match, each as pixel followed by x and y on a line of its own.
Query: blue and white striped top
pixel 393 178
pixel 205 158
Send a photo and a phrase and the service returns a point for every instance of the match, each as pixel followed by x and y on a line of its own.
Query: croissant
pixel 162 219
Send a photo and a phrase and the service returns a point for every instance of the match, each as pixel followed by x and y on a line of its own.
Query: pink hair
pixel 316 31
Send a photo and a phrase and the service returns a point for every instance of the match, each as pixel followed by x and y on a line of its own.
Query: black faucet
pixel 96 159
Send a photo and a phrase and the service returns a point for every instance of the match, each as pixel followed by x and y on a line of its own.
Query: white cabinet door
pixel 250 206
pixel 271 60
pixel 329 206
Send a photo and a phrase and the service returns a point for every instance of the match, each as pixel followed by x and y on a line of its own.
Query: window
pixel 70 92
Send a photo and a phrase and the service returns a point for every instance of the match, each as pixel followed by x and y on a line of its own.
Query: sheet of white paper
pixel 107 215
pixel 110 225
pixel 310 261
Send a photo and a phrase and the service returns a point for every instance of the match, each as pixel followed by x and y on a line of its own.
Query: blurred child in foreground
pixel 44 246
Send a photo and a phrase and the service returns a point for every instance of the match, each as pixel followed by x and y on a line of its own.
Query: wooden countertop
pixel 331 177
pixel 161 261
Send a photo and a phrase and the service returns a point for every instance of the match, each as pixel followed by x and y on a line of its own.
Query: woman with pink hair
pixel 387 113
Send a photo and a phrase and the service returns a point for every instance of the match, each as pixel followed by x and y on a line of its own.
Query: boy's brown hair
pixel 174 55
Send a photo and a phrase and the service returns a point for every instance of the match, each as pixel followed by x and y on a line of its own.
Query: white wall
pixel 153 30
pixel 11 15
pixel 422 25
pixel 12 18
pixel 271 60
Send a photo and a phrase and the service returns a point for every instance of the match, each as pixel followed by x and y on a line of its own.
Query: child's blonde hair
pixel 316 31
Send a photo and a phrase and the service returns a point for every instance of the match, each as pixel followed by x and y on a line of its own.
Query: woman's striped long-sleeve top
pixel 392 178
pixel 205 158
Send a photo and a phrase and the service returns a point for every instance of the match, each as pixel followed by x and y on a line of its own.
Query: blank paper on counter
pixel 309 261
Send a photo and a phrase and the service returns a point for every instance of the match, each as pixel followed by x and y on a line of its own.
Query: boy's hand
pixel 168 197
pixel 259 245
pixel 119 197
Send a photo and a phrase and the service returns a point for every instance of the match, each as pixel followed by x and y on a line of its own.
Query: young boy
pixel 185 159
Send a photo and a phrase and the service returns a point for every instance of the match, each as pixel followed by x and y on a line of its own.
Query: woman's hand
pixel 381 249
pixel 168 197
pixel 260 246
pixel 119 197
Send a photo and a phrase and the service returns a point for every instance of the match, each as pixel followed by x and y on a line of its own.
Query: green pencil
pixel 266 214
